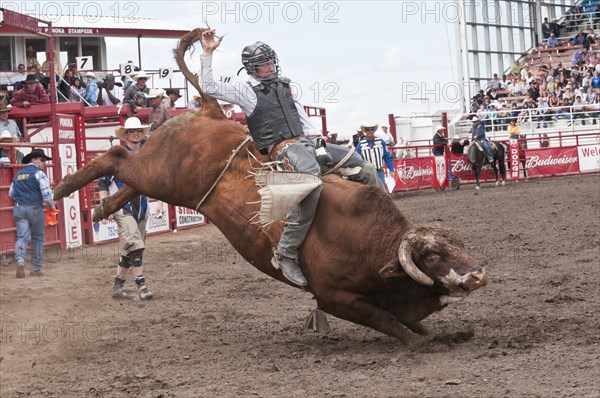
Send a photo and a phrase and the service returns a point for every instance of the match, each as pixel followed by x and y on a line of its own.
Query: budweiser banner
pixel 413 173
pixel 552 161
pixel 460 167
pixel 514 159
pixel 589 158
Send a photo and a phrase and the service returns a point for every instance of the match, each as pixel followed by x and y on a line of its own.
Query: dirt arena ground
pixel 219 328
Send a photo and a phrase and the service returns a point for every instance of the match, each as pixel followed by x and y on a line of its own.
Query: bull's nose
pixel 476 280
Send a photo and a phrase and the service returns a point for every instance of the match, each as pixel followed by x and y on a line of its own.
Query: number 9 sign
pixel 165 73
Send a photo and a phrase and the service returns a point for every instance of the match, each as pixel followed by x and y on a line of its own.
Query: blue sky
pixel 359 60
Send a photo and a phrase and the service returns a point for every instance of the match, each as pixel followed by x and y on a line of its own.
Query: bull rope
pixel 235 152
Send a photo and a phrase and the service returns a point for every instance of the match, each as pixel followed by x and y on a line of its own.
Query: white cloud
pixel 394 57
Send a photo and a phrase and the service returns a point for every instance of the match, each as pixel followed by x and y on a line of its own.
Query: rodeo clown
pixel 131 219
pixel 279 127
pixel 374 150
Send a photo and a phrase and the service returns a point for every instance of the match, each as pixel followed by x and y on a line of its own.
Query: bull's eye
pixel 432 258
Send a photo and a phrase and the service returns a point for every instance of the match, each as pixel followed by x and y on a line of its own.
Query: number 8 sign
pixel 165 73
pixel 127 69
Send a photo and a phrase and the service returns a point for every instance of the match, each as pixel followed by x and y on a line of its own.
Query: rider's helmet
pixel 258 54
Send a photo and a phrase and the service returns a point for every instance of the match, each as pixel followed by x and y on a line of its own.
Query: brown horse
pixel 397 276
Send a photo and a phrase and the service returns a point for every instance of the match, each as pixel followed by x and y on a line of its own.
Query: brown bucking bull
pixel 364 261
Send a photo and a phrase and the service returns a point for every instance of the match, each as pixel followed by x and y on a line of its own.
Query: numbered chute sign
pixel 227 79
pixel 127 69
pixel 85 63
pixel 165 73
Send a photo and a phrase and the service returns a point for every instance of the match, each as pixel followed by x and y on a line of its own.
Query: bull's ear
pixel 392 270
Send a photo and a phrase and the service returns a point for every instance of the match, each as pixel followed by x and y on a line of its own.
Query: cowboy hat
pixel 440 127
pixel 369 125
pixel 173 91
pixel 140 75
pixel 5 108
pixel 90 74
pixel 36 153
pixel 456 138
pixel 475 119
pixel 6 134
pixel 133 123
pixel 155 92
pixel 31 79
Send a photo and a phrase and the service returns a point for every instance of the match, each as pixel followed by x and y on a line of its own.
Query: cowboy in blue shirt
pixel 478 133
pixel 374 150
pixel 29 189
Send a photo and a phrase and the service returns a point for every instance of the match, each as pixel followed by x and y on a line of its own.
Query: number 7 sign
pixel 85 63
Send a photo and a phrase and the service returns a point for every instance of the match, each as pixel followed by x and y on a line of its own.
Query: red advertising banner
pixel 513 152
pixel 460 167
pixel 552 161
pixel 413 173
pixel 440 172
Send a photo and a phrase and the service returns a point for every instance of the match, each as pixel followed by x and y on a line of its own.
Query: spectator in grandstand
pixel 586 81
pixel 9 124
pixel 568 93
pixel 17 78
pixel 513 130
pixel 550 84
pixel 91 92
pixel 595 80
pixel 495 83
pixel 579 57
pixel 131 219
pixel 160 112
pixel 5 151
pixel 553 101
pixel 594 104
pixel 31 94
pixel 552 40
pixel 374 150
pixel 439 141
pixel 546 28
pixel 58 70
pixel 64 87
pixel 139 99
pixel 172 97
pixel 543 110
pixel 524 114
pixel 579 109
pixel 108 92
pixel 564 111
pixel 579 38
pixel 457 146
pixel 386 136
pixel 515 70
pixel 78 92
pixel 140 78
pixel 29 189
pixel 478 133
pixel 589 40
pixel 33 66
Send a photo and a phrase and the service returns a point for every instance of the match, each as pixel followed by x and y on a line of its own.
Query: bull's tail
pixel 187 43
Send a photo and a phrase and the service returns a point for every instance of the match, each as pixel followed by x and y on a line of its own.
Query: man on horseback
pixel 278 125
pixel 478 133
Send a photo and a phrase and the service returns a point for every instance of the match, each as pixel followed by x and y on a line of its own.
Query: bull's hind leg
pixel 105 165
pixel 113 203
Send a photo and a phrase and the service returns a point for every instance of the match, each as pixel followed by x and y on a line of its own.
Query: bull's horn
pixel 407 264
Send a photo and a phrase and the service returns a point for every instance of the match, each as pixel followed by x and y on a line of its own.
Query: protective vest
pixel 372 155
pixel 275 117
pixel 26 187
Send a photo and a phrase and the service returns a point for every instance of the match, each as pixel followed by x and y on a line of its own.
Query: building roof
pixel 86 25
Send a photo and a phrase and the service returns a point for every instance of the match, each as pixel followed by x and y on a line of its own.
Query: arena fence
pixel 84 133
pixel 554 154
